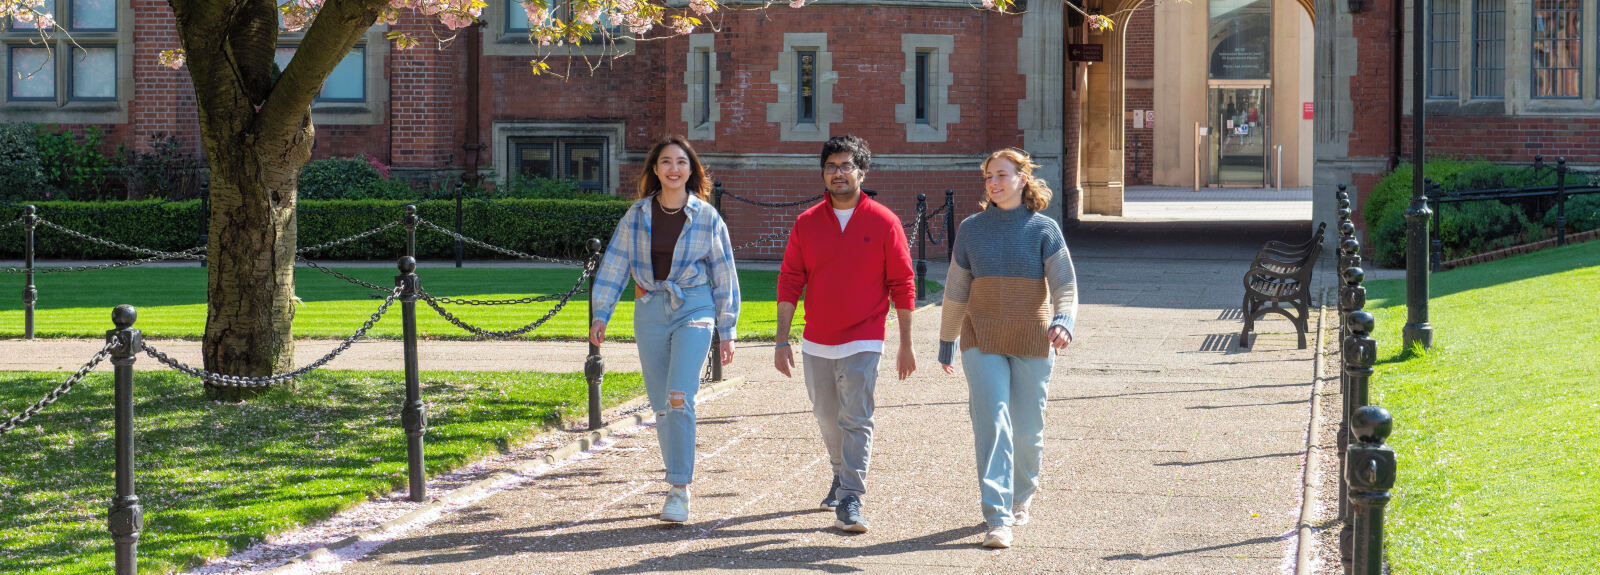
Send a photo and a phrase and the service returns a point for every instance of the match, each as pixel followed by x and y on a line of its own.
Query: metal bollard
pixel 30 294
pixel 1371 473
pixel 460 189
pixel 413 416
pixel 594 369
pixel 1360 353
pixel 410 222
pixel 1417 330
pixel 950 224
pixel 920 228
pixel 1352 298
pixel 712 354
pixel 1561 201
pixel 126 518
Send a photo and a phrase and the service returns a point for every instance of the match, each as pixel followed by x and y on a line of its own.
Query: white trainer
pixel 676 509
pixel 1021 514
pixel 999 537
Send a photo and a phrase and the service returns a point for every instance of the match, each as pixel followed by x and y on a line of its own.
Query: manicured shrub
pixel 21 172
pixel 357 178
pixel 550 228
pixel 1465 228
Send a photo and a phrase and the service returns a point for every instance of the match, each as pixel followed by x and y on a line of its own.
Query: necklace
pixel 666 211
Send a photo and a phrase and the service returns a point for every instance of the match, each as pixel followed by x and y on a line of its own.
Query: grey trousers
pixel 841 398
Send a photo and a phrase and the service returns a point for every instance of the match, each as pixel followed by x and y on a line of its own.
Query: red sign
pixel 1305 110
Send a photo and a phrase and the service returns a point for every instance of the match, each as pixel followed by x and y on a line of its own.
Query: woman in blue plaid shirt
pixel 675 247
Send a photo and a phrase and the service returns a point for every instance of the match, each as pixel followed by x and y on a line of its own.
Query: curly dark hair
pixel 857 147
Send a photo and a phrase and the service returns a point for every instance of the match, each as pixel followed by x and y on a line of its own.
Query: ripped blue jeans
pixel 673 344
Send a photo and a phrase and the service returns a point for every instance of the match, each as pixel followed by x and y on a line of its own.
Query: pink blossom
pixel 797 3
pixel 702 7
pixel 988 4
pixel 682 26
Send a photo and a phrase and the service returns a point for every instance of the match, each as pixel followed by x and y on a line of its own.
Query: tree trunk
pixel 250 256
pixel 257 132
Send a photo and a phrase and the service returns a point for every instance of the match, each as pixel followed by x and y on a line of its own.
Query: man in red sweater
pixel 848 257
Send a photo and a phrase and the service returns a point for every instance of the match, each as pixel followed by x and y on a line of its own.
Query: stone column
pixel 1041 55
pixel 1103 127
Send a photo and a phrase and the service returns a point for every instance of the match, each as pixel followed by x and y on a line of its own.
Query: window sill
pixel 80 112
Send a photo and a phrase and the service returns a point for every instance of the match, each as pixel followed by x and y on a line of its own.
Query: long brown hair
pixel 1035 192
pixel 699 183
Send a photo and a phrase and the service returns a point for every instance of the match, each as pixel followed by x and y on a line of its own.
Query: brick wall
pixel 163 98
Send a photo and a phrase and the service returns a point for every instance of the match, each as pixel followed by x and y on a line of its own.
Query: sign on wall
pixel 1305 110
pixel 1138 119
pixel 1086 52
pixel 1150 118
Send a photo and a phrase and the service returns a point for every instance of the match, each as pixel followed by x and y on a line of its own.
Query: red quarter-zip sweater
pixel 849 277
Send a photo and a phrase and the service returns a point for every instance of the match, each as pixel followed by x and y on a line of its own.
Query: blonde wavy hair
pixel 1035 192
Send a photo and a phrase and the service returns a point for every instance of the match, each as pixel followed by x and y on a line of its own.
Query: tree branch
pixel 337 28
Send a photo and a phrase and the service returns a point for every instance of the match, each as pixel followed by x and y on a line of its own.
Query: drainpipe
pixel 1397 33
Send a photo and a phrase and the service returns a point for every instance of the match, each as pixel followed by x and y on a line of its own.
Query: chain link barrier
pixel 492 334
pixel 193 253
pixel 221 380
pixel 526 300
pixel 55 394
pixel 495 248
pixel 316 266
pixel 781 235
pixel 810 200
pixel 185 254
pixel 342 241
pixel 10 223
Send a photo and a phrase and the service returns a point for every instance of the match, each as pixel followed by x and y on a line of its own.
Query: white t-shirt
pixel 846 349
pixel 844 217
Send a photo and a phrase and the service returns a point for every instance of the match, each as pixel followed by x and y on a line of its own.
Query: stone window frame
pixel 785 112
pixel 1517 99
pixel 498 41
pixel 374 109
pixel 64 110
pixel 941 113
pixel 694 79
pixel 615 134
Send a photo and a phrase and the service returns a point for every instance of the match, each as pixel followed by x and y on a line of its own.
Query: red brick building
pixel 934 85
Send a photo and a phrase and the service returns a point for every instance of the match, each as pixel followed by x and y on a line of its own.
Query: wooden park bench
pixel 1280 277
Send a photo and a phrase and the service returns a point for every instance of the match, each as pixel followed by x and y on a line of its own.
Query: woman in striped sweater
pixel 1009 300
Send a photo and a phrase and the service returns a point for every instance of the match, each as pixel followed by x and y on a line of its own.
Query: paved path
pixel 1169 451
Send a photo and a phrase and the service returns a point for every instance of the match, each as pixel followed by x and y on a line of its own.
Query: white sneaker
pixel 999 537
pixel 676 509
pixel 1021 514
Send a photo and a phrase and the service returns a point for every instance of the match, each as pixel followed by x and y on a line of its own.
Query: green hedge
pixel 559 230
pixel 1469 228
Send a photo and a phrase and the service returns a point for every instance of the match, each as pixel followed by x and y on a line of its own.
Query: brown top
pixel 665 227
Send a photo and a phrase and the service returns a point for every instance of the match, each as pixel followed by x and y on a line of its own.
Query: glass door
pixel 1241 135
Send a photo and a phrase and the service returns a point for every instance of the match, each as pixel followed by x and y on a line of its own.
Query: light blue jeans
pixel 673 344
pixel 1006 401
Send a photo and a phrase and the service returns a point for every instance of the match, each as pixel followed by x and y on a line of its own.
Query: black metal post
pixel 594 368
pixel 1561 201
pixel 126 518
pixel 950 224
pixel 461 188
pixel 1437 208
pixel 410 222
pixel 1352 297
pixel 1371 473
pixel 1417 330
pixel 30 294
pixel 413 416
pixel 1360 353
pixel 713 355
pixel 920 228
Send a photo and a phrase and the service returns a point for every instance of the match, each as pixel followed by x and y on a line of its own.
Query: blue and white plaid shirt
pixel 704 255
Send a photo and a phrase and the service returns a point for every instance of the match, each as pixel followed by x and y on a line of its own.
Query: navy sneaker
pixel 831 502
pixel 849 514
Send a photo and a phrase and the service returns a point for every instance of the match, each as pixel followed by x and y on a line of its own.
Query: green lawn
pixel 171 303
pixel 1496 427
pixel 215 477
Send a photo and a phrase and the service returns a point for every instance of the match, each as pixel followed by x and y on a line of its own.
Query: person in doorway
pixel 1010 300
pixel 675 247
pixel 848 257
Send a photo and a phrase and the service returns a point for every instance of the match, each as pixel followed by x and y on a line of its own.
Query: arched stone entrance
pixel 1102 122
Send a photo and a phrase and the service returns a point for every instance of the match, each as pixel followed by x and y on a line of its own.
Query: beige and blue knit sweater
pixel 1010 281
